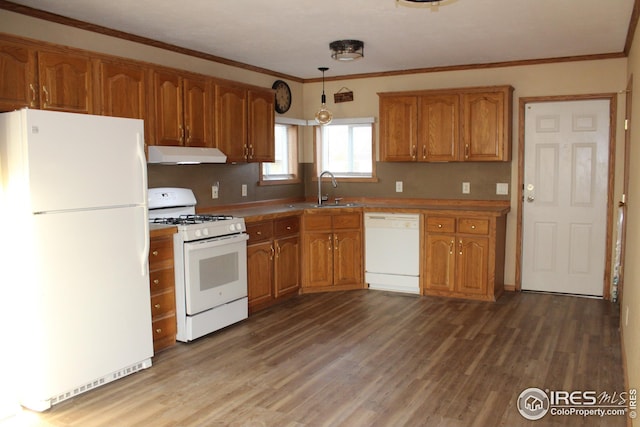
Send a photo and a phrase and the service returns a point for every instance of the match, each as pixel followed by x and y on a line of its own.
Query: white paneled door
pixel 565 196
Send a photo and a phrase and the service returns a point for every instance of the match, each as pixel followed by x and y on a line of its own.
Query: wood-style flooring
pixel 369 358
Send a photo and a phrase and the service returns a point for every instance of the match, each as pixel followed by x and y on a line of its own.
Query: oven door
pixel 215 272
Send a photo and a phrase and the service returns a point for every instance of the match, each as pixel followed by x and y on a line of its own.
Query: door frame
pixel 613 112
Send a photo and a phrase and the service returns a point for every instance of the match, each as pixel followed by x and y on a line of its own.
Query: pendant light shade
pixel 323 116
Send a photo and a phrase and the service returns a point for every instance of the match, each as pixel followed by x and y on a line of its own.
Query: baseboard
pixel 510 288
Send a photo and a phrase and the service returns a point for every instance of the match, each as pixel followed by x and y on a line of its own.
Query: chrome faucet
pixel 333 182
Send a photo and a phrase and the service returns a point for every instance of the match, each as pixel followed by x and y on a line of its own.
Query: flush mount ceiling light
pixel 323 116
pixel 432 4
pixel 346 50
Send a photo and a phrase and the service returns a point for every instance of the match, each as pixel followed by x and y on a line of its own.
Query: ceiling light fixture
pixel 346 50
pixel 323 116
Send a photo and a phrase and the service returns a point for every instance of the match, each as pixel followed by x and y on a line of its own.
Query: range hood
pixel 185 155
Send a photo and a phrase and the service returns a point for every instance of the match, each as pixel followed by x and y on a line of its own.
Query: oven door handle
pixel 217 241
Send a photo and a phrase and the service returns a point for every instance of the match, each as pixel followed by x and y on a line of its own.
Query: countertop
pixel 266 211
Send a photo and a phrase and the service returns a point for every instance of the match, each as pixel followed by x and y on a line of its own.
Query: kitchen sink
pixel 335 205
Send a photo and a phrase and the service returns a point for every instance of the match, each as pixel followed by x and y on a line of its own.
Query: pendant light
pixel 323 116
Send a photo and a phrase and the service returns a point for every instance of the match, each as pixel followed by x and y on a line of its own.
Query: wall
pixel 421 180
pixel 630 302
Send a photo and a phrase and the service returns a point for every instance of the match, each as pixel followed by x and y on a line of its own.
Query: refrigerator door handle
pixel 145 238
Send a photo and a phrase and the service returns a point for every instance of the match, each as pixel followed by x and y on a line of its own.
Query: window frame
pixel 293 130
pixel 317 138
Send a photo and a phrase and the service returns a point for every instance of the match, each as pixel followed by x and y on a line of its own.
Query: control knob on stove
pixel 205 231
pixel 232 227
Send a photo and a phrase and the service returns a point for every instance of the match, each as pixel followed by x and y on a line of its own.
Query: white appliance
pixel 76 191
pixel 210 256
pixel 392 252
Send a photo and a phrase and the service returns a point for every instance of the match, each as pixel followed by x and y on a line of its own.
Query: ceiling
pixel 292 37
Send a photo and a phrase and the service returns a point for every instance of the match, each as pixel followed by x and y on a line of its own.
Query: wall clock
pixel 283 96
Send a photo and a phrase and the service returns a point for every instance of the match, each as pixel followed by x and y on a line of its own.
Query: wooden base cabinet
pixel 273 261
pixel 332 251
pixel 163 299
pixel 464 256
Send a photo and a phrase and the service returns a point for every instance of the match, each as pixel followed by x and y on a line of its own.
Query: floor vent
pixel 101 381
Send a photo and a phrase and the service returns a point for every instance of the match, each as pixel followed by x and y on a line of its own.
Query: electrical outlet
pixel 214 191
pixel 466 188
pixel 502 188
pixel 244 190
pixel 398 186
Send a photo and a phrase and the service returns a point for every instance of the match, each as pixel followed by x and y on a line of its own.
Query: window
pixel 345 147
pixel 285 168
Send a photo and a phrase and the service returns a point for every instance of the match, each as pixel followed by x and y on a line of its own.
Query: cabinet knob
pixel 439 225
pixel 157 306
pixel 159 330
pixel 288 227
pixel 259 233
pixel 154 253
pixel 473 227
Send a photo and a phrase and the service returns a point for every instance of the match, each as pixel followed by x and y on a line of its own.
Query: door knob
pixel 530 199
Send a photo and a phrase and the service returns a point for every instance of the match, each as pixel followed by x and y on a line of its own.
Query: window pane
pixel 347 149
pixel 285 165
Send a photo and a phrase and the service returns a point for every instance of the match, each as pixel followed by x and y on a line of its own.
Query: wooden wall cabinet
pixel 468 124
pixel 34 78
pixel 464 255
pixel 183 109
pixel 162 283
pixel 273 261
pixel 332 255
pixel 18 78
pixel 123 91
pixel 244 122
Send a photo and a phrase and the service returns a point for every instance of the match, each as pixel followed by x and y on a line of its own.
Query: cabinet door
pixel 472 265
pixel 123 91
pixel 261 132
pixel 440 264
pixel 17 77
pixel 168 108
pixel 287 265
pixel 231 121
pixel 198 112
pixel 65 82
pixel 398 130
pixel 318 262
pixel 347 258
pixel 260 273
pixel 439 128
pixel 484 126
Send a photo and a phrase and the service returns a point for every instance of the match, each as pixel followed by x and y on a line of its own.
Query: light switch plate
pixel 244 190
pixel 214 191
pixel 502 188
pixel 398 186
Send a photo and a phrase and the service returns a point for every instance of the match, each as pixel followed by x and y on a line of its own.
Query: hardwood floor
pixel 369 358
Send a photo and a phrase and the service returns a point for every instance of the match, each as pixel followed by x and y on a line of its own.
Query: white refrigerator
pixel 76 242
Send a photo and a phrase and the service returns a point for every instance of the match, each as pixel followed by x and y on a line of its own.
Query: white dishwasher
pixel 392 252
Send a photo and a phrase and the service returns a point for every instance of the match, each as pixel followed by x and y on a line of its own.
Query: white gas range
pixel 210 259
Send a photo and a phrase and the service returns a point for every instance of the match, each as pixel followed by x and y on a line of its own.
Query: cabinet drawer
pixel 285 226
pixel 162 304
pixel 259 231
pixel 346 221
pixel 161 279
pixel 164 327
pixel 440 224
pixel 160 249
pixel 473 225
pixel 317 222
